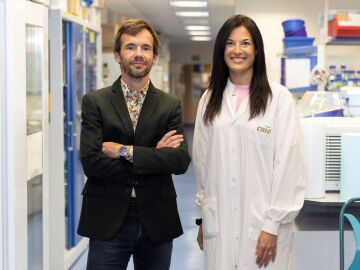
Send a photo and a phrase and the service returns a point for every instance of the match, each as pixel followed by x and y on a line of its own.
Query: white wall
pixel 268 15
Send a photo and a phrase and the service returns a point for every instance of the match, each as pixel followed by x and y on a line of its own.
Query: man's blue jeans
pixel 115 254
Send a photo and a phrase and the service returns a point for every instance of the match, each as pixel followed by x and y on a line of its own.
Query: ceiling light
pixel 188 3
pixel 200 38
pixel 200 33
pixel 197 27
pixel 192 13
pixel 195 21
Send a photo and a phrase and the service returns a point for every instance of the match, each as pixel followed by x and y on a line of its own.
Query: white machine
pixel 322 144
pixel 351 98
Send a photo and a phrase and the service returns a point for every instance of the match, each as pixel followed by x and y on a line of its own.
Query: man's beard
pixel 135 74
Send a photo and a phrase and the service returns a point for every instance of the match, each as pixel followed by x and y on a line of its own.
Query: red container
pixel 336 30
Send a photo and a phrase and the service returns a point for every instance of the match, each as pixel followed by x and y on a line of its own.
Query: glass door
pixel 34 131
pixel 73 93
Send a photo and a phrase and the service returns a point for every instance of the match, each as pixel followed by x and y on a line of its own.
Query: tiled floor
pixel 186 254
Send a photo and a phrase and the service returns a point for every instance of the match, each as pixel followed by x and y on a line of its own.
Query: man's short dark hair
pixel 132 27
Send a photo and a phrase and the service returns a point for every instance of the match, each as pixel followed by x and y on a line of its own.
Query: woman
pixel 247 156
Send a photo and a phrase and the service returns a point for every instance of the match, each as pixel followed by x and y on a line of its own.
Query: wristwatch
pixel 198 221
pixel 123 150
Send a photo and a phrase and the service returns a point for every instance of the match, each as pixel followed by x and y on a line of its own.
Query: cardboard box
pixel 342 16
pixel 108 36
pixel 74 7
pixel 100 4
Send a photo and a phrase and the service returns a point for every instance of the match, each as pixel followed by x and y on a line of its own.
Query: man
pixel 131 142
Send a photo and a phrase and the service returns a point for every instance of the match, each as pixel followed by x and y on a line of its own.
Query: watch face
pixel 123 150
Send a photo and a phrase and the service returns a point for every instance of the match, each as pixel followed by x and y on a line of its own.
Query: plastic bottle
pixel 337 82
pixel 346 76
pixel 343 73
pixel 331 84
pixel 332 71
pixel 351 80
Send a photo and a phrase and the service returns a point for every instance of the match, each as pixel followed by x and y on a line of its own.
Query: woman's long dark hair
pixel 260 91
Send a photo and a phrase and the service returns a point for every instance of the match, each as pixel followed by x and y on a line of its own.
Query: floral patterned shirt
pixel 134 101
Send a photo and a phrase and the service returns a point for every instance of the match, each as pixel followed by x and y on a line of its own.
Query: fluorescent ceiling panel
pixel 188 3
pixel 197 27
pixel 192 13
pixel 200 38
pixel 200 33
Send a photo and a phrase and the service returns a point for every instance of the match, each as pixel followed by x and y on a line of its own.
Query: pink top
pixel 241 92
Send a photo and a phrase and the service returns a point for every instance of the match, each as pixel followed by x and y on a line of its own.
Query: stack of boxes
pixel 297 46
pixel 88 10
pixel 296 40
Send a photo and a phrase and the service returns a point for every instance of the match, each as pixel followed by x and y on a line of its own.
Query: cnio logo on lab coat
pixel 265 129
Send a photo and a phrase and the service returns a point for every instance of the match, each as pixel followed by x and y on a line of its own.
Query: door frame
pixel 18 13
pixel 2 129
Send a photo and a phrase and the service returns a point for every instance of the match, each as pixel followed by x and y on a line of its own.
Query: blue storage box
pixel 308 50
pixel 293 25
pixel 298 33
pixel 290 42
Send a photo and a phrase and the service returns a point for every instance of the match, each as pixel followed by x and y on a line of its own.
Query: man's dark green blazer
pixel 107 192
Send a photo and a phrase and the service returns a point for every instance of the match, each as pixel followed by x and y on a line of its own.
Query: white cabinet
pixel 316 236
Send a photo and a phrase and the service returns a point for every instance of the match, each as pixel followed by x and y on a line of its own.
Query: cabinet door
pixel 73 93
pixel 91 62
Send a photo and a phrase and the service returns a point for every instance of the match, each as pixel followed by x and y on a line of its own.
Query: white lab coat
pixel 250 177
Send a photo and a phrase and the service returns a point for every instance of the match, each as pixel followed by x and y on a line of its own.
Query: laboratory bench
pixel 316 235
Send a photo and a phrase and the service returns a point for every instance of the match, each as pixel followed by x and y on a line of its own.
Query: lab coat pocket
pixel 210 217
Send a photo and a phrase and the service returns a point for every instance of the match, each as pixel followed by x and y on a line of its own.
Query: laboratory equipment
pixel 327 151
pixel 321 104
pixel 351 99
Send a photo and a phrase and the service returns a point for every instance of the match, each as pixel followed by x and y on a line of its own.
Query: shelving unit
pixel 61 77
pixel 325 40
pixel 344 41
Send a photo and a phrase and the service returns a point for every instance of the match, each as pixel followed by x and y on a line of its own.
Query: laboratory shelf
pixel 344 41
pixel 302 89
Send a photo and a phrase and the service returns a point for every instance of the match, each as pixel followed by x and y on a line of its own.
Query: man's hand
pixel 111 149
pixel 170 140
pixel 200 237
pixel 266 249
